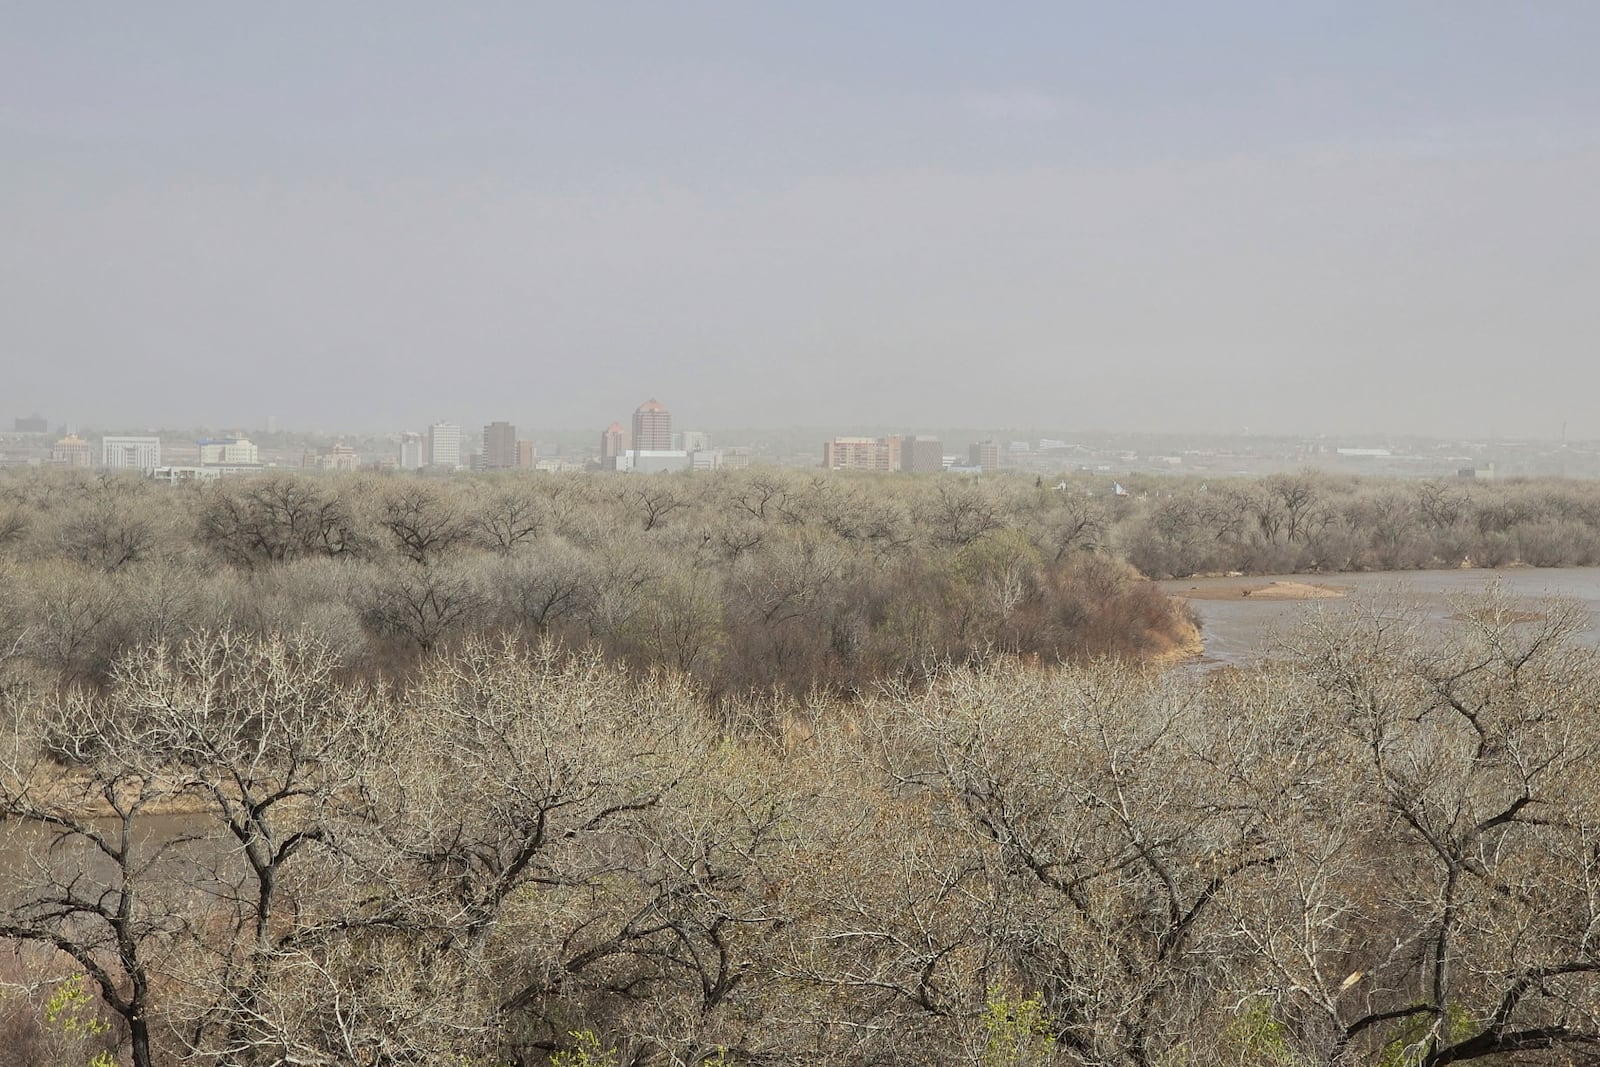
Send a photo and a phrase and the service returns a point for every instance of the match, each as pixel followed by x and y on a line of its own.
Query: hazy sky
pixel 1287 216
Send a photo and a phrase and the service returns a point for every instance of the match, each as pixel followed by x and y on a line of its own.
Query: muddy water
pixel 191 851
pixel 1237 629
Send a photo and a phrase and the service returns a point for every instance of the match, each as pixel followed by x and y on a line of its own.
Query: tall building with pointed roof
pixel 652 427
pixel 611 443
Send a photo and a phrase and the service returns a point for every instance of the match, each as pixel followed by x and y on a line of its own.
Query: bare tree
pixel 424 605
pixel 508 517
pixel 422 520
pixel 276 518
pixel 1108 871
pixel 90 881
pixel 1443 893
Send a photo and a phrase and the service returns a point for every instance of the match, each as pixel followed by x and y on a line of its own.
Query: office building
pixel 861 454
pixel 31 424
pixel 499 446
pixel 130 453
pixel 229 452
pixel 652 428
pixel 444 446
pixel 985 455
pixel 922 454
pixel 413 454
pixel 526 455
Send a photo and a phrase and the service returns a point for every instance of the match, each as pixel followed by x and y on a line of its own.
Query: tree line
pixel 745 580
pixel 1312 522
pixel 749 582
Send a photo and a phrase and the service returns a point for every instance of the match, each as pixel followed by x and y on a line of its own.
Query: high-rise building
pixel 984 455
pixel 526 455
pixel 862 454
pixel 499 446
pixel 612 443
pixel 130 453
pixel 31 424
pixel 652 428
pixel 72 451
pixel 412 452
pixel 444 446
pixel 922 454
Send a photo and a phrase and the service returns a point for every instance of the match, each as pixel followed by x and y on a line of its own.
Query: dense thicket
pixel 748 582
pixel 1379 849
pixel 1312 522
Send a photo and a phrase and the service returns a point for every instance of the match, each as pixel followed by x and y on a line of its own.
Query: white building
pixel 655 461
pixel 229 452
pixel 444 446
pixel 208 473
pixel 412 452
pixel 131 453
pixel 692 440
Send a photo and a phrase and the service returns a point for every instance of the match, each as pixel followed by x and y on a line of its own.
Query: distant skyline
pixel 1341 218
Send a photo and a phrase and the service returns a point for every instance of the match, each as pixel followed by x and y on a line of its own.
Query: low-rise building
pixel 72 451
pixel 340 457
pixel 130 453
pixel 229 451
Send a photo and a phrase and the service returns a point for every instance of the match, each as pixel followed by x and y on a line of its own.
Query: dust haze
pixel 1345 218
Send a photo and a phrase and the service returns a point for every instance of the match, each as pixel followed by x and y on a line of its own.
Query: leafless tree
pixel 275 518
pixel 424 605
pixel 423 520
pixel 508 517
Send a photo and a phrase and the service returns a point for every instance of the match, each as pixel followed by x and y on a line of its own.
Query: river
pixel 1237 628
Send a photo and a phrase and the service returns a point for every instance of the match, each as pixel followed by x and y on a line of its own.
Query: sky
pixel 1303 217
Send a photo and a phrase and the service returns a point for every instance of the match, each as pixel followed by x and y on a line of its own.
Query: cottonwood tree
pixel 89 880
pixel 424 521
pixel 522 771
pixel 1442 896
pixel 109 532
pixel 507 517
pixel 675 954
pixel 422 604
pixel 270 752
pixel 1108 836
pixel 275 518
pixel 175 860
pixel 72 615
pixel 545 584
